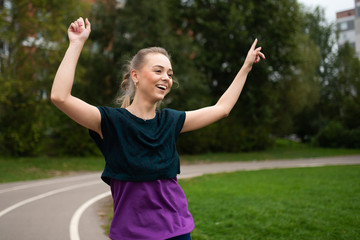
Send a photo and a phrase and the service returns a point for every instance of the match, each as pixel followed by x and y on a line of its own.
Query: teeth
pixel 161 87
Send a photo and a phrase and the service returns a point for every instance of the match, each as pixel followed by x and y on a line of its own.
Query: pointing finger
pixel 254 44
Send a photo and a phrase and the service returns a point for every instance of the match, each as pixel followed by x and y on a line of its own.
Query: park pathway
pixel 68 207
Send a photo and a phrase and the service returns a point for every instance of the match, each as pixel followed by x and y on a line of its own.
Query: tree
pixel 343 90
pixel 323 35
pixel 209 41
pixel 276 89
pixel 34 33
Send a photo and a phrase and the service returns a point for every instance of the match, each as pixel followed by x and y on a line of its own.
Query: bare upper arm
pixel 202 117
pixel 81 112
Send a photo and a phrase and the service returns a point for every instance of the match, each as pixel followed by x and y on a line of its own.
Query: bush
pixel 64 137
pixel 352 139
pixel 21 126
pixel 335 135
pixel 224 136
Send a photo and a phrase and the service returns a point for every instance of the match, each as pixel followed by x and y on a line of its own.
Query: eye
pixel 170 75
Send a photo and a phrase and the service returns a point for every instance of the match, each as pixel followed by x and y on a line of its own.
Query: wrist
pixel 76 44
pixel 246 68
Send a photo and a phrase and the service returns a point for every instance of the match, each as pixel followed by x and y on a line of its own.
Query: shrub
pixel 335 135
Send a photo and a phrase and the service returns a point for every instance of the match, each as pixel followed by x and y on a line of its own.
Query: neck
pixel 142 109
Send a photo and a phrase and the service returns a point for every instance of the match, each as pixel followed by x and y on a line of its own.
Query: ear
pixel 134 77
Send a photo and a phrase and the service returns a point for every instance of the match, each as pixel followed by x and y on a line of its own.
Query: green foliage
pixel 20 123
pixel 321 35
pixel 118 33
pixel 67 138
pixel 335 135
pixel 225 136
pixel 333 119
pixel 332 135
pixel 343 100
pixel 301 86
pixel 35 34
pixel 274 91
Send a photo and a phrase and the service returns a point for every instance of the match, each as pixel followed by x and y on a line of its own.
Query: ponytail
pixel 128 91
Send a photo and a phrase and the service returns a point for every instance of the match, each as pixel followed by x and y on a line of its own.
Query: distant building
pixel 348 25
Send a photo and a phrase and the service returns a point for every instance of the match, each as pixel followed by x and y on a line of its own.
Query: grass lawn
pixel 283 149
pixel 305 203
pixel 21 169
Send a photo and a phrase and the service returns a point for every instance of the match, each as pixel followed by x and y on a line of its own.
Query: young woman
pixel 139 142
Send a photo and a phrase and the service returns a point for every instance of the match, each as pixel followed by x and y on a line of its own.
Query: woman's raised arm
pixel 202 117
pixel 78 110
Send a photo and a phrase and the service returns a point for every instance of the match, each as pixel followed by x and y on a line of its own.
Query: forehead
pixel 157 59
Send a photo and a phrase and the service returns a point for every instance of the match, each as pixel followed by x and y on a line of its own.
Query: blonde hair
pixel 127 87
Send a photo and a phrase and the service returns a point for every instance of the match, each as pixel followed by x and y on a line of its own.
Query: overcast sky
pixel 330 6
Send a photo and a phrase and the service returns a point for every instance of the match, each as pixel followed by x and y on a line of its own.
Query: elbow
pixel 56 99
pixel 224 112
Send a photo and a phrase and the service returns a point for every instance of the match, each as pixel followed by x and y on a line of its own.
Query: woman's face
pixel 154 79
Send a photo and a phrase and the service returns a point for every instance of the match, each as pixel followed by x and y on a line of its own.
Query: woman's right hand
pixel 78 32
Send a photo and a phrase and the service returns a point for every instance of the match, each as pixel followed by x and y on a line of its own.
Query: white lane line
pixel 74 223
pixel 44 195
pixel 48 182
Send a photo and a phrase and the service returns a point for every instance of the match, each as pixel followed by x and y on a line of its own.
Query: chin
pixel 158 99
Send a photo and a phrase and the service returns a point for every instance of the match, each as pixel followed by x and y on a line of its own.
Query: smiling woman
pixel 139 142
pixel 155 61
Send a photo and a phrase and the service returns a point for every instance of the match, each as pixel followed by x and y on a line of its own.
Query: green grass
pixel 20 169
pixel 283 149
pixel 305 203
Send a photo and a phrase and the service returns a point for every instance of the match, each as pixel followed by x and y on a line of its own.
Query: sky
pixel 330 6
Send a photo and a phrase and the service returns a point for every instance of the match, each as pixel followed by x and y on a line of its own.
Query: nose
pixel 165 77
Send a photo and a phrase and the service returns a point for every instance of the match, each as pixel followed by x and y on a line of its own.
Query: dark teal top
pixel 136 149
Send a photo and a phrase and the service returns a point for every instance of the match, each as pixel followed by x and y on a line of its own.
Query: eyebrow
pixel 162 67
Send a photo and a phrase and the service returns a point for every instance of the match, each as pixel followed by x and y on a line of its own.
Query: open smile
pixel 161 87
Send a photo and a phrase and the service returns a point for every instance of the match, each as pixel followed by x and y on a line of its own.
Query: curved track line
pixel 74 223
pixel 44 195
pixel 39 184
